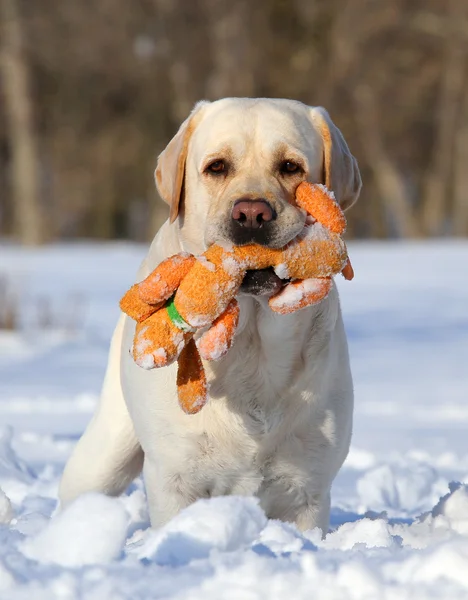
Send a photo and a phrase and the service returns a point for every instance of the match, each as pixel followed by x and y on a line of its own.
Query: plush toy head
pixel 185 294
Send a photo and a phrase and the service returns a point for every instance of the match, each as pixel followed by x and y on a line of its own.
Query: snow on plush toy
pixel 186 293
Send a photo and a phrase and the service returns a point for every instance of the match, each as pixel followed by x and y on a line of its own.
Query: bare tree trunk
pixel 388 180
pixel 25 175
pixel 460 177
pixel 439 176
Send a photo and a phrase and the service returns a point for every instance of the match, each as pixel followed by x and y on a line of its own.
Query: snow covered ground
pixel 406 314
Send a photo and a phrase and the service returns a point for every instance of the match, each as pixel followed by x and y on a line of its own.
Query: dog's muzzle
pixel 252 221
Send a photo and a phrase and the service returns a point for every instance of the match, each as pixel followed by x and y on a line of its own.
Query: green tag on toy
pixel 176 317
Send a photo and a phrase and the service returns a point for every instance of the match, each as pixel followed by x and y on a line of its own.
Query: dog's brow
pixel 223 152
pixel 287 152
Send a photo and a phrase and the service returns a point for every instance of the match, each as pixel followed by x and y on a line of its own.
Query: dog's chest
pixel 262 367
pixel 253 452
pixel 259 426
pixel 254 420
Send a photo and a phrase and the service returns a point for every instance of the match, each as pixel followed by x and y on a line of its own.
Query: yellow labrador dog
pixel 279 419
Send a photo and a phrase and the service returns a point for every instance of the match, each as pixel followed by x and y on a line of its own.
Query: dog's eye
pixel 217 167
pixel 289 167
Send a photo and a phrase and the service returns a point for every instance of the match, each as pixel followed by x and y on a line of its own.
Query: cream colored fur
pixel 278 423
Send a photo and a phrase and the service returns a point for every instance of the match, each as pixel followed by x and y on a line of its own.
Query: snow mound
pixel 6 579
pixel 92 530
pixel 6 511
pixel 452 510
pixel 409 488
pixel 371 533
pixel 444 566
pixel 396 532
pixel 15 476
pixel 222 524
pixel 280 538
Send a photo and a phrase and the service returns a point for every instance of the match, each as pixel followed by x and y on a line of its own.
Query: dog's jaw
pixel 261 282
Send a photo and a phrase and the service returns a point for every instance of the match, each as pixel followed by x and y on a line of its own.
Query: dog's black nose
pixel 250 221
pixel 252 213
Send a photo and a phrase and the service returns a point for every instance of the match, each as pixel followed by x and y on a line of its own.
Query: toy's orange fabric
pixel 327 212
pixel 202 292
pixel 215 342
pixel 145 298
pixel 191 379
pixel 299 294
pixel 162 283
pixel 158 342
pixel 319 252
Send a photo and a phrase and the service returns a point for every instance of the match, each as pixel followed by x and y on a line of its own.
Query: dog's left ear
pixel 341 172
pixel 170 171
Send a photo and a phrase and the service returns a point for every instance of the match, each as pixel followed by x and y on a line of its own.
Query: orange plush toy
pixel 186 293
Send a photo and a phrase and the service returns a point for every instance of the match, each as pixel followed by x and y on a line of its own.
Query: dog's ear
pixel 170 170
pixel 341 172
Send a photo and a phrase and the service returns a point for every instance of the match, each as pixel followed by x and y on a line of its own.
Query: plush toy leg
pixel 191 380
pixel 158 342
pixel 165 279
pixel 299 294
pixel 215 342
pixel 321 204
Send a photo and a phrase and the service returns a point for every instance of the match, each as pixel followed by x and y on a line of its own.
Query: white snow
pixel 328 192
pixel 293 294
pixel 206 263
pixel 290 295
pixel 282 271
pixel 6 511
pixel 234 524
pixel 219 346
pixel 91 530
pixel 231 265
pixel 398 531
pixel 145 361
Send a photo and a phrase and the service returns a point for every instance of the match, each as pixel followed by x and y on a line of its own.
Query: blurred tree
pixel 109 83
pixel 460 179
pixel 21 134
pixel 439 178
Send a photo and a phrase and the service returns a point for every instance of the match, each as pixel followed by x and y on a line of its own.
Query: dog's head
pixel 231 171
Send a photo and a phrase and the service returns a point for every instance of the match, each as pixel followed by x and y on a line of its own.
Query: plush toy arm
pixel 132 305
pixel 215 342
pixel 145 298
pixel 191 380
pixel 348 271
pixel 165 279
pixel 300 294
pixel 319 202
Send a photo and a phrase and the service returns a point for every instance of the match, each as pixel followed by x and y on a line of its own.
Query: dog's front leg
pixel 167 493
pixel 288 502
pixel 108 456
pixel 316 513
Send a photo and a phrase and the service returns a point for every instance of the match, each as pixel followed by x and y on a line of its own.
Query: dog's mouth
pixel 261 282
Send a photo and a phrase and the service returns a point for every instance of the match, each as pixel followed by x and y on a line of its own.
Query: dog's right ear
pixel 341 171
pixel 170 170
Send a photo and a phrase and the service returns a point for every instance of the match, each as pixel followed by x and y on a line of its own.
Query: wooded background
pixel 92 90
